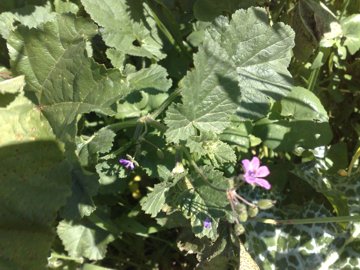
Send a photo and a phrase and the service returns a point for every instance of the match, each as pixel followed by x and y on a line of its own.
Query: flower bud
pixel 265 204
pixel 239 229
pixel 243 216
pixel 240 208
pixel 253 211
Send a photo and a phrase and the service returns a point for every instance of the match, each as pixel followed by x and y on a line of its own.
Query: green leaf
pixel 302 104
pixel 244 58
pixel 94 267
pixel 207 10
pixel 351 30
pixel 154 201
pixel 126 23
pixel 65 7
pixel 217 151
pixel 284 135
pixel 84 239
pixel 100 142
pixel 198 201
pixel 35 183
pixel 58 72
pixel 311 173
pixel 30 16
pixel 312 22
pixel 295 246
pixel 307 124
pixel 80 203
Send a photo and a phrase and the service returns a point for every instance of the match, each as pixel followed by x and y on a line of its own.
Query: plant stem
pixel 121 125
pixel 200 172
pixel 166 103
pixel 344 9
pixel 308 220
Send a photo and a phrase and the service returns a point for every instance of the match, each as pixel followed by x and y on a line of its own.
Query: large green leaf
pixel 241 64
pixel 63 79
pixel 126 23
pixel 84 239
pixel 304 123
pixel 35 182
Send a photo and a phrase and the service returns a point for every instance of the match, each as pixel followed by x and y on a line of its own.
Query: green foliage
pixel 187 91
pixel 131 30
pixel 301 121
pixel 35 184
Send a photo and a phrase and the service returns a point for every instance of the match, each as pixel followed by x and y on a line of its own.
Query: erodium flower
pixel 128 164
pixel 254 173
pixel 207 223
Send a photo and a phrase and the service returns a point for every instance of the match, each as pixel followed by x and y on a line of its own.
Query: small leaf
pixel 155 200
pixel 351 29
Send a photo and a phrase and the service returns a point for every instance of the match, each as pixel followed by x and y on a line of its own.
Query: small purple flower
pixel 254 173
pixel 128 164
pixel 207 223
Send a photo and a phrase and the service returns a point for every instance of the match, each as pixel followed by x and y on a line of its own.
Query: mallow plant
pixel 195 134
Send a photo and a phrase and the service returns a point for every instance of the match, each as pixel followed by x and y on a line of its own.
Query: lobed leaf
pixel 128 26
pixel 240 65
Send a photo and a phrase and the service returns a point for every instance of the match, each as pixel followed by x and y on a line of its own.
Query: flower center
pixel 251 172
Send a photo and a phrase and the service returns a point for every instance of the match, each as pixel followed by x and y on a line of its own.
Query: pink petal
pixel 246 165
pixel 263 171
pixel 255 163
pixel 249 179
pixel 262 183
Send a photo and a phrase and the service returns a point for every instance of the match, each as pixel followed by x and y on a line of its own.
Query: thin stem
pixel 308 220
pixel 166 103
pixel 121 125
pixel 149 119
pixel 204 178
pixel 313 79
pixel 200 172
pixel 244 201
pixel 344 9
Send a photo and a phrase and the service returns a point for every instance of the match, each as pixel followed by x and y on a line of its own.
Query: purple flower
pixel 207 223
pixel 254 173
pixel 128 164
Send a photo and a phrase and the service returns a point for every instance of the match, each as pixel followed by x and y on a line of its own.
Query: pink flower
pixel 254 173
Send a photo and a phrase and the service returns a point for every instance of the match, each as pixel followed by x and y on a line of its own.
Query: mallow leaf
pixel 240 65
pixel 84 239
pixel 351 30
pixel 155 200
pixel 128 26
pixel 30 16
pixel 64 81
pixel 35 183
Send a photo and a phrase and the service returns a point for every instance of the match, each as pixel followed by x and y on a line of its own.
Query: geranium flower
pixel 254 173
pixel 128 164
pixel 207 223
